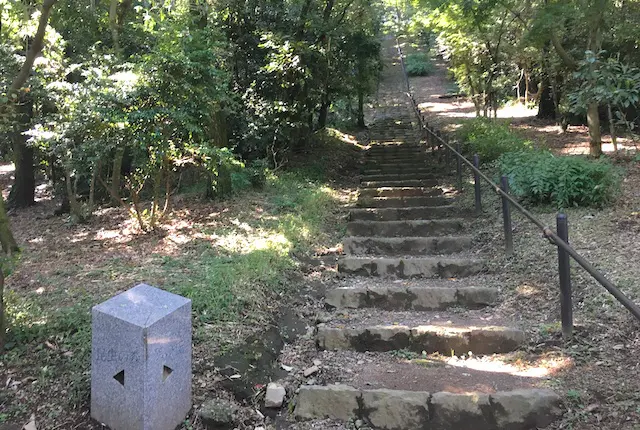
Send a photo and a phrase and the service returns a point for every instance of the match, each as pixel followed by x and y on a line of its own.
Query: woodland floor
pixel 65 269
pixel 600 380
pixel 242 260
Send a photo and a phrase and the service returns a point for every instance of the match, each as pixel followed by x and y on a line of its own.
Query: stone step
pixel 422 333
pixel 397 214
pixel 411 298
pixel 394 148
pixel 410 267
pixel 399 146
pixel 408 165
pixel 409 183
pixel 403 202
pixel 411 228
pixel 400 192
pixel 398 177
pixel 390 246
pixel 408 170
pixel 401 156
pixel 398 159
pixel 420 410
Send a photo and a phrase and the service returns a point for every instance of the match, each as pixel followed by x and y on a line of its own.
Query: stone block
pixel 141 360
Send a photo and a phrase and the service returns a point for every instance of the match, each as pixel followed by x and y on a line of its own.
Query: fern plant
pixel 543 178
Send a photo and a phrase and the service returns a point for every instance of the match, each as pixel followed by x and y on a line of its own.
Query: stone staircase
pixel 409 290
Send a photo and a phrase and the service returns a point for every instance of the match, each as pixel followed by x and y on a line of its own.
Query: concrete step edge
pixel 406 245
pixel 411 298
pixel 418 410
pixel 443 339
pixel 411 267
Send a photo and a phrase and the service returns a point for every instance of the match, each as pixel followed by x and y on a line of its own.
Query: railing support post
pixel 447 155
pixel 564 270
pixel 476 179
pixel 506 214
pixel 459 167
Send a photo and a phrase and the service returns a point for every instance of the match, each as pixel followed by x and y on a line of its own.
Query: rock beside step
pixel 419 410
pixel 411 228
pixel 397 214
pixel 406 245
pixel 411 298
pixel 406 268
pixel 443 339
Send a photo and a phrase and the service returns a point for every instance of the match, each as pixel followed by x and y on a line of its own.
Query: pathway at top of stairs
pixel 410 291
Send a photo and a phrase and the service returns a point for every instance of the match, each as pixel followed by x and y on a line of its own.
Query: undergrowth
pixel 236 270
pixel 490 139
pixel 419 64
pixel 564 181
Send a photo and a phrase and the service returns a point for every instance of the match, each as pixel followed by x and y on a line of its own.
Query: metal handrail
pixel 547 231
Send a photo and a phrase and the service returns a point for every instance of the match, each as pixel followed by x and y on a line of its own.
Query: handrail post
pixel 506 214
pixel 459 166
pixel 476 179
pixel 564 271
pixel 447 155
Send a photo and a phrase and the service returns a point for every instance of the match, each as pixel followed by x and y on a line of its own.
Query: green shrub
pixel 419 65
pixel 541 177
pixel 490 139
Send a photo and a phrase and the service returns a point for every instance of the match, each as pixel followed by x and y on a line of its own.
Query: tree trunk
pixel 97 170
pixel 546 105
pixel 76 209
pixel 116 174
pixel 113 25
pixel 612 129
pixel 595 137
pixel 361 123
pixel 8 242
pixel 34 50
pixel 324 113
pixel 526 88
pixel 23 191
pixel 3 327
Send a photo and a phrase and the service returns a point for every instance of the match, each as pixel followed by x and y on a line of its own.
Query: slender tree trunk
pixel 34 49
pixel 595 136
pixel 76 209
pixel 3 326
pixel 23 191
pixel 612 129
pixel 92 186
pixel 526 88
pixel 8 242
pixel 324 111
pixel 113 25
pixel 361 123
pixel 116 174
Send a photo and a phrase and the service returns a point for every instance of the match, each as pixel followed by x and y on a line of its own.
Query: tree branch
pixel 568 60
pixel 34 50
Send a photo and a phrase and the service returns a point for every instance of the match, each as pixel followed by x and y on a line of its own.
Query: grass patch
pixel 419 64
pixel 235 259
pixel 490 139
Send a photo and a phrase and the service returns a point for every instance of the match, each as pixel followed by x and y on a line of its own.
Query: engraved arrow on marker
pixel 166 371
pixel 119 377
